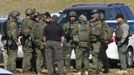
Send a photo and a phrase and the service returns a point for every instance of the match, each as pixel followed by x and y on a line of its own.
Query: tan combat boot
pixel 78 73
pixel 86 73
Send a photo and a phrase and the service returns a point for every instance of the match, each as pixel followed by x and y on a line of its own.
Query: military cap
pixel 119 16
pixel 72 14
pixel 82 18
pixel 47 14
pixel 14 13
pixel 36 13
pixel 29 11
pixel 94 13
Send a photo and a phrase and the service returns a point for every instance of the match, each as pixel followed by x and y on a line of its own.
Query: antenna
pixel 34 9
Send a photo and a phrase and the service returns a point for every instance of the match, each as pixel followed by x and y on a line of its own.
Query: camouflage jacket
pixel 71 29
pixel 27 28
pixel 12 30
pixel 122 32
pixel 38 31
pixel 12 33
pixel 84 34
pixel 95 30
pixel 106 32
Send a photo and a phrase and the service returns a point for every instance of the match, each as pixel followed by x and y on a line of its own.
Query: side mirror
pixel 60 12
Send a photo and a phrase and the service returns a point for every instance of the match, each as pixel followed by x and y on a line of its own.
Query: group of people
pixel 84 37
pixel 53 43
pixel 31 30
pixel 93 36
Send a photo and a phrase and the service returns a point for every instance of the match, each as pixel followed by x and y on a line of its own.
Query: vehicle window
pixel 87 13
pixel 1 26
pixel 131 27
pixel 63 18
pixel 127 12
pixel 117 11
pixel 110 15
pixel 64 15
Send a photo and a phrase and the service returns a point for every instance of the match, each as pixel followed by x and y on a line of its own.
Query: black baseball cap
pixel 119 16
pixel 47 14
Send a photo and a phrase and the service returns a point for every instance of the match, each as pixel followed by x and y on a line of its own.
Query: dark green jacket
pixel 95 30
pixel 12 30
pixel 27 27
pixel 38 31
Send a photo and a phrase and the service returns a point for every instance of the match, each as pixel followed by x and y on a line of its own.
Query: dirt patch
pixel 73 72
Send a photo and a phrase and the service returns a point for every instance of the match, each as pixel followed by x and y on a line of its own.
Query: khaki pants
pixel 54 55
pixel 5 57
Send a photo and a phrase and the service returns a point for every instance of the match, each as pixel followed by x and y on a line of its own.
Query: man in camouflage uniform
pixel 12 41
pixel 96 26
pixel 106 36
pixel 43 18
pixel 122 34
pixel 82 51
pixel 38 41
pixel 70 30
pixel 27 30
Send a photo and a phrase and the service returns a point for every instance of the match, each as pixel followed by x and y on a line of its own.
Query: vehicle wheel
pixel 129 57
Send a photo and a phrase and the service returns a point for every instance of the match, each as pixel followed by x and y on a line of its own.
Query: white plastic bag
pixel 112 51
pixel 73 56
pixel 20 52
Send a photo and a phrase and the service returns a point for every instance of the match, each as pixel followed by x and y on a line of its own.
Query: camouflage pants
pixel 39 60
pixel 82 55
pixel 96 65
pixel 26 63
pixel 5 58
pixel 67 55
pixel 122 56
pixel 11 64
pixel 5 55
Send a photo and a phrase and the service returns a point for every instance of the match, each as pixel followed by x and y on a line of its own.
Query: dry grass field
pixel 112 72
pixel 51 5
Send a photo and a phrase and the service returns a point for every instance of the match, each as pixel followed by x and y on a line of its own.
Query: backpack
pixel 106 33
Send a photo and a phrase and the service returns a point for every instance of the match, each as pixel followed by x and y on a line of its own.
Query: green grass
pixel 51 5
